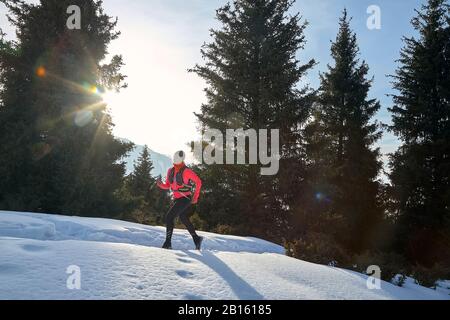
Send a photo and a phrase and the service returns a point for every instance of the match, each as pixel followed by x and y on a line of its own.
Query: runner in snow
pixel 185 186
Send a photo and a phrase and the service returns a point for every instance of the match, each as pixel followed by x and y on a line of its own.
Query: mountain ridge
pixel 161 162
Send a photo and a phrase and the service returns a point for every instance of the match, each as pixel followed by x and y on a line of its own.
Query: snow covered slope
pixel 120 260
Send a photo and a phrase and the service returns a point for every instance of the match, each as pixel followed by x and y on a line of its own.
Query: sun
pixel 110 98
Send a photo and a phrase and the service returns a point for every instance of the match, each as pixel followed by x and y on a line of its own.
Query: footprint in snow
pixel 178 254
pixel 184 274
pixel 140 287
pixel 185 260
pixel 9 268
pixel 33 248
pixel 130 275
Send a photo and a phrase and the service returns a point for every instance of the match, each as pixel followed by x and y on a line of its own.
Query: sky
pixel 161 40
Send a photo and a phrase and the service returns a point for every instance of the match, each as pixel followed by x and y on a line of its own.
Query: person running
pixel 185 186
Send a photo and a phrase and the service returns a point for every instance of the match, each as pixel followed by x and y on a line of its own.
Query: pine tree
pixel 421 119
pixel 141 179
pixel 148 203
pixel 55 132
pixel 344 164
pixel 253 74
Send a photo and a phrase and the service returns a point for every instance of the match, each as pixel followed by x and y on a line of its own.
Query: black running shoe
pixel 198 242
pixel 167 245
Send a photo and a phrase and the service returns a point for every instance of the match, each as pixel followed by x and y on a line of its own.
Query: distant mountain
pixel 161 163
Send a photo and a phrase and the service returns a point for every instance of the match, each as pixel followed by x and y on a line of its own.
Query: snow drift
pixel 121 260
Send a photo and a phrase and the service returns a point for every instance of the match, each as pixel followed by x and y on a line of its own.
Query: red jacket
pixel 189 177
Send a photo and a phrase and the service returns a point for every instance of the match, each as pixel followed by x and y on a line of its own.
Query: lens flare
pixel 94 90
pixel 322 197
pixel 90 88
pixel 41 72
pixel 41 150
pixel 83 118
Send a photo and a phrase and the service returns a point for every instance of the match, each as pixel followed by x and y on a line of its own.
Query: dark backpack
pixel 179 178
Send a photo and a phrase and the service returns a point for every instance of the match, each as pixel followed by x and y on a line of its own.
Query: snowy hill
pixel 120 260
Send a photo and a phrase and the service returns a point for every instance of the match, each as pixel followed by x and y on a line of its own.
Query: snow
pixel 121 260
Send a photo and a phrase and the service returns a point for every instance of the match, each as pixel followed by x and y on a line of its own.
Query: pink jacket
pixel 188 177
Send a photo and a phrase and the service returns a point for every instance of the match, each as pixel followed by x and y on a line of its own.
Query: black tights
pixel 183 209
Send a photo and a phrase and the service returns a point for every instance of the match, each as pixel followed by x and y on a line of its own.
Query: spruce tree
pixel 147 203
pixel 253 74
pixel 58 151
pixel 344 163
pixel 421 119
pixel 141 180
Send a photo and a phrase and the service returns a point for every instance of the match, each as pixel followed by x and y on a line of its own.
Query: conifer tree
pixel 58 151
pixel 147 203
pixel 421 119
pixel 141 180
pixel 253 74
pixel 344 163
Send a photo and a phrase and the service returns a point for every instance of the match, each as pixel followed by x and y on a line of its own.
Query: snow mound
pixel 59 228
pixel 120 260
